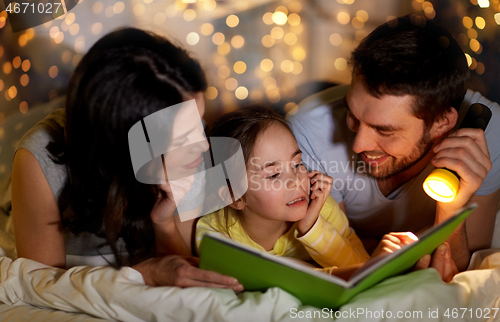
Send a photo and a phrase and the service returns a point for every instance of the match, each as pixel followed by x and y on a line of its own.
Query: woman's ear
pixel 444 124
pixel 224 194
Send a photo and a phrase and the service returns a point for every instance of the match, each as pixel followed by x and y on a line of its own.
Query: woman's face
pixel 188 141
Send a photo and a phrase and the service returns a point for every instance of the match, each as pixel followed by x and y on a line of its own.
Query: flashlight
pixel 442 184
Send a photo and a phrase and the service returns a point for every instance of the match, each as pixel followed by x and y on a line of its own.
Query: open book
pixel 257 270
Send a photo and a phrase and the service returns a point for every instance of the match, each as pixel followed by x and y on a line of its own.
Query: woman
pixel 74 191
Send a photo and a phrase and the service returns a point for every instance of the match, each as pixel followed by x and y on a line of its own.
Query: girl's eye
pixel 274 176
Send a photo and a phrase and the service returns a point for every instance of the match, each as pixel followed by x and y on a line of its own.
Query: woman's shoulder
pixel 36 140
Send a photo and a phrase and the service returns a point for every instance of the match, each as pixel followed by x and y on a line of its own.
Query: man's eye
pixel 298 165
pixel 384 133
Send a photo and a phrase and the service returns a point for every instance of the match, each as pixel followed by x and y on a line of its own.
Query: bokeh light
pixel 232 21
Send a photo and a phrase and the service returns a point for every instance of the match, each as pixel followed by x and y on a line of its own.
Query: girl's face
pixel 278 185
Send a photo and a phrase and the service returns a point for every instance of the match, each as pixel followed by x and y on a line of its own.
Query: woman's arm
pixel 36 215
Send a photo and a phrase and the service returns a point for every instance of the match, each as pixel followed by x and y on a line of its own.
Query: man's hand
pixel 465 152
pixel 182 271
pixel 441 261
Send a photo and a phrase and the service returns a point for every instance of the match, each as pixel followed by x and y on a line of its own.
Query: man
pixel 394 126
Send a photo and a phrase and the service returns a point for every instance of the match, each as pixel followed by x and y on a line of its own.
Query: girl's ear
pixel 224 194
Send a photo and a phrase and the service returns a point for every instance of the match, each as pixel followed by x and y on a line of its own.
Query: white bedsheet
pixel 102 292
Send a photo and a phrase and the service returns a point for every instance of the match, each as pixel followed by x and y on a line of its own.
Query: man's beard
pixel 399 166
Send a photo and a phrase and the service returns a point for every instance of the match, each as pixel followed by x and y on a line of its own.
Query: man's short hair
pixel 412 55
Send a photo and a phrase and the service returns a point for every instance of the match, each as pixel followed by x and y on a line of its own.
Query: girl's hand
pixel 393 241
pixel 321 184
pixel 182 271
pixel 175 190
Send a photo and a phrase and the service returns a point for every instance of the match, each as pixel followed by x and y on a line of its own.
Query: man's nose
pixel 364 140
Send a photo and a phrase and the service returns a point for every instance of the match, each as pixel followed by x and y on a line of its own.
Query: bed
pixel 30 291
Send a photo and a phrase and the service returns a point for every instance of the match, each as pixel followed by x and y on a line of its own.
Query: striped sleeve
pixel 331 242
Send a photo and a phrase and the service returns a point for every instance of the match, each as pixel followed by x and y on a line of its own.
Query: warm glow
pixel 12 92
pixel 1 85
pixel 97 28
pixel 343 17
pixel 297 68
pixel 70 18
pixel 299 54
pixel 30 33
pixel 335 39
pixel 139 10
pixel 295 6
pixel 97 7
pixel 54 31
pixel 287 66
pixel 362 15
pixel 277 32
pixel 469 59
pixel 25 79
pixel 209 5
pixel 207 29
pixel 23 40
pixel 231 84
pixel 53 71
pixel 23 107
pixel 223 72
pixel 290 39
pixel 480 68
pixel 159 18
pixel 211 93
pixel 237 41
pixel 474 45
pixel 467 21
pixel 218 38
pixel 189 15
pixel 267 41
pixel 279 18
pixel 239 67
pixel 340 64
pixel 79 45
pixel 118 7
pixel 7 68
pixel 356 23
pixel 232 21
pixel 497 18
pixel 224 48
pixel 291 108
pixel 480 22
pixel 241 93
pixel 16 62
pixel 74 29
pixel 266 65
pixel 483 3
pixel 26 65
pixel 472 33
pixel 66 56
pixel 268 18
pixel 192 38
pixel 294 19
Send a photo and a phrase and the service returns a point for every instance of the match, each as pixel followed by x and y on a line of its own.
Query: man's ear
pixel 444 124
pixel 224 194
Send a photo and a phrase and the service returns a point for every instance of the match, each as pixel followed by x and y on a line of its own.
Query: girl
pixel 286 210
pixel 74 192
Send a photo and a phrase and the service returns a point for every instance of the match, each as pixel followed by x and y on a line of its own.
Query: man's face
pixel 389 137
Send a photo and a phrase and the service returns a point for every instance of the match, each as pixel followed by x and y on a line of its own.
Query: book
pixel 258 271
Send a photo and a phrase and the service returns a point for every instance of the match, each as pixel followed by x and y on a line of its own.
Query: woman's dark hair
pixel 245 125
pixel 126 76
pixel 412 55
